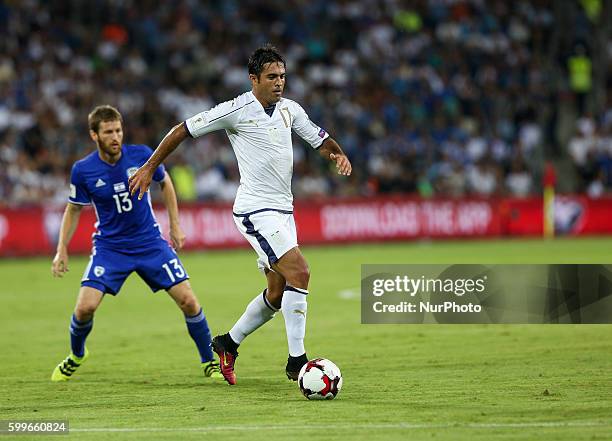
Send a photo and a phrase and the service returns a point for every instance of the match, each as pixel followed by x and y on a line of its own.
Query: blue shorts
pixel 158 265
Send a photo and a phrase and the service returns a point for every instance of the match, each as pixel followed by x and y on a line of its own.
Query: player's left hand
pixel 342 164
pixel 177 236
pixel 141 180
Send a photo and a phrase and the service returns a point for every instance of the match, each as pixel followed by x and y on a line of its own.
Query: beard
pixel 110 149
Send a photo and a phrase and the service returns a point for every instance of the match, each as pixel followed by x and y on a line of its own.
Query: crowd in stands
pixel 432 97
pixel 591 152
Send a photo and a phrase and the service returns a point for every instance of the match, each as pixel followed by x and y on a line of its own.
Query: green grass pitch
pixel 417 382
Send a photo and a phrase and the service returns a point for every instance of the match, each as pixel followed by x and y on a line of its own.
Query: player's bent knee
pixel 275 296
pixel 87 303
pixel 189 304
pixel 300 278
pixel 85 311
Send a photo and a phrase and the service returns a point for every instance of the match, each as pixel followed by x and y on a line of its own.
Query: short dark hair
pixel 262 56
pixel 103 113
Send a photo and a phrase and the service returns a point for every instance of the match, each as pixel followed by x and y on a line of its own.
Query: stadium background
pixel 433 99
pixel 451 112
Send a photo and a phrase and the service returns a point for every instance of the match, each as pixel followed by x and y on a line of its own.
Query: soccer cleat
pixel 226 358
pixel 212 370
pixel 64 370
pixel 294 364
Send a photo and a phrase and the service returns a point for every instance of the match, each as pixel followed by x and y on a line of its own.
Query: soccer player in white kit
pixel 258 124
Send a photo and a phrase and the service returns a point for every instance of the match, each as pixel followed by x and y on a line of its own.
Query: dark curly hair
pixel 262 56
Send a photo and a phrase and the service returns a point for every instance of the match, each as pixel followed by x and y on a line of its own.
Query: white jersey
pixel 262 145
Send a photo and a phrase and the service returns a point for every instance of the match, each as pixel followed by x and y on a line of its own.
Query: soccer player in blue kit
pixel 127 239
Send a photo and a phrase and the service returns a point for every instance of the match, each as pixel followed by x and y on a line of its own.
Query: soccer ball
pixel 320 379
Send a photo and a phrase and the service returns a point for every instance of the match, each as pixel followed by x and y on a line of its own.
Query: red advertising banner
pixel 396 219
pixel 573 215
pixel 34 231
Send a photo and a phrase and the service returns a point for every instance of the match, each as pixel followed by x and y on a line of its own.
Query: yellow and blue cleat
pixel 211 369
pixel 64 370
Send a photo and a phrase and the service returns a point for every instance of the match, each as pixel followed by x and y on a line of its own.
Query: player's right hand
pixel 60 264
pixel 342 164
pixel 141 180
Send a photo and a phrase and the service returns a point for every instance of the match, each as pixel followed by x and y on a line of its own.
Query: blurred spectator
pixel 184 181
pixel 483 178
pixel 580 68
pixel 311 184
pixel 519 181
pixel 597 186
pixel 591 152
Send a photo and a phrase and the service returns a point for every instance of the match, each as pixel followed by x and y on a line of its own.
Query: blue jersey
pixel 124 222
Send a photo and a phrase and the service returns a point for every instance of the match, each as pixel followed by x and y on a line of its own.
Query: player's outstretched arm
pixel 332 151
pixel 70 220
pixel 141 180
pixel 177 236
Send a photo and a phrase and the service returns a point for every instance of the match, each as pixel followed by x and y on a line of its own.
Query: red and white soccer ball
pixel 320 379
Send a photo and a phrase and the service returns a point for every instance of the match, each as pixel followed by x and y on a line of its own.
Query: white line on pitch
pixel 405 426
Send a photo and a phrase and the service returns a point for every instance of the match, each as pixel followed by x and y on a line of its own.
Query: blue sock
pixel 198 329
pixel 78 333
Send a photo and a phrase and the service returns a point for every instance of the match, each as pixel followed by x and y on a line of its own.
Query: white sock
pixel 258 312
pixel 294 308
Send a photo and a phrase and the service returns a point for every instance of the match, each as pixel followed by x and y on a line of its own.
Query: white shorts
pixel 271 233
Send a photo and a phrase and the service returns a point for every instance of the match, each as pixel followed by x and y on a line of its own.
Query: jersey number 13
pixel 123 202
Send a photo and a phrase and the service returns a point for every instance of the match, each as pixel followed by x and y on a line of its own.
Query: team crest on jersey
pixel 275 135
pixel 131 171
pixel 99 271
